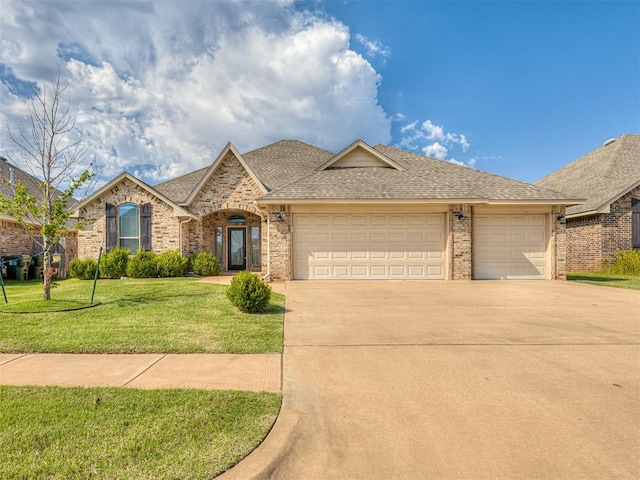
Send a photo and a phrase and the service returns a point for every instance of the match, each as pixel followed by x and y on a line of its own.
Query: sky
pixel 516 88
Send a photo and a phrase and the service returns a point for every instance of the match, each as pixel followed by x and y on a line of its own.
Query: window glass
pixel 218 245
pixel 129 226
pixel 255 245
pixel 237 219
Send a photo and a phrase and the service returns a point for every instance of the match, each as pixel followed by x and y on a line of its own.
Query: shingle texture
pixel 289 170
pixel 600 177
pixel 31 182
pixel 425 178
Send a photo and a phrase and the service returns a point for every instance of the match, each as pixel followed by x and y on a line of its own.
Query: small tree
pixel 54 152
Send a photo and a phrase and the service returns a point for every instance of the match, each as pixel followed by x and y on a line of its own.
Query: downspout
pixel 266 214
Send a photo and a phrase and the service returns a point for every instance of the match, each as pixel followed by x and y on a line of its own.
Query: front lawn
pixel 606 279
pixel 168 315
pixel 106 433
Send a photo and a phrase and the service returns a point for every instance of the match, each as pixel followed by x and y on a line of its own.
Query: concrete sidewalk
pixel 251 372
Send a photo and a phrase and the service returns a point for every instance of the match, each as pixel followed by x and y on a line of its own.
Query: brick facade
pixel 460 232
pixel 165 226
pixel 14 240
pixel 593 240
pixel 230 191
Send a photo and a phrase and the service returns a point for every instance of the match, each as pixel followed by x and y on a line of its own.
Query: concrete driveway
pixel 456 380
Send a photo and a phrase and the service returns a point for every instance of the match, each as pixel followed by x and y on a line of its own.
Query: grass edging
pixel 125 433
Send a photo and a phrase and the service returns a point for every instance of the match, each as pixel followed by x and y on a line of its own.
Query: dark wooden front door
pixel 237 249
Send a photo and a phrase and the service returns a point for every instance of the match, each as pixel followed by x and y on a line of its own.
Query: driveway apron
pixel 456 380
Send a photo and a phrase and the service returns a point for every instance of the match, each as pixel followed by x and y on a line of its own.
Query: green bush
pixel 82 269
pixel 205 264
pixel 171 264
pixel 142 265
pixel 627 263
pixel 248 292
pixel 113 264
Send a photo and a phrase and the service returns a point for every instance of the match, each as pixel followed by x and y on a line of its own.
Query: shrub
pixel 82 269
pixel 205 264
pixel 142 265
pixel 248 292
pixel 627 263
pixel 171 264
pixel 113 264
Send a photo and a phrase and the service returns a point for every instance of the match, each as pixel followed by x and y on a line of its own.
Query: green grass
pixel 120 433
pixel 170 315
pixel 606 279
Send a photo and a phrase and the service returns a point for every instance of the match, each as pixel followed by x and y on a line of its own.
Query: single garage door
pixel 358 246
pixel 509 246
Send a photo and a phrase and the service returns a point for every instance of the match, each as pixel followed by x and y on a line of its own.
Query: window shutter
pixel 635 223
pixel 111 214
pixel 145 226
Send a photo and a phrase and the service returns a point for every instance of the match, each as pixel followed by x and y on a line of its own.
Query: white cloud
pixel 436 150
pixel 433 141
pixel 160 87
pixel 373 47
pixel 434 132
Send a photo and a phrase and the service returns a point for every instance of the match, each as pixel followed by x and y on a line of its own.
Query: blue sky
pixel 517 88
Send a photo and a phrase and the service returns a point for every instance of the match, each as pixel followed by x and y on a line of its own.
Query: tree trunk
pixel 47 271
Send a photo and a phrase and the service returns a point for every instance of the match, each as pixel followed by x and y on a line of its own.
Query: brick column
pixel 280 243
pixel 461 246
pixel 559 244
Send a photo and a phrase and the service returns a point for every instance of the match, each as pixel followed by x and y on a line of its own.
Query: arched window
pixel 129 226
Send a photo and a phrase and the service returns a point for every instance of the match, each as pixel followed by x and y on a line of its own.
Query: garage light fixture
pixel 460 215
pixel 560 218
pixel 279 217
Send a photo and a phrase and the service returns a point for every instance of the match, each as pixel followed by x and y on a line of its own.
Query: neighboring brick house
pixel 609 220
pixel 290 210
pixel 14 239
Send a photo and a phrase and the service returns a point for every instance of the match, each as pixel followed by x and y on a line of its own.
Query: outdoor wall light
pixel 460 215
pixel 560 218
pixel 279 217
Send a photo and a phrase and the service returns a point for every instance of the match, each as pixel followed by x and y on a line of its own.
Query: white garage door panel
pixel 509 247
pixel 368 246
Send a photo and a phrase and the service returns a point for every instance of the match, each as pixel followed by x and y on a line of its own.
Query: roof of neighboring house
pixel 601 176
pixel 419 178
pixel 29 181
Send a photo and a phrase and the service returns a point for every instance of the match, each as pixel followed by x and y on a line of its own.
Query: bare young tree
pixel 54 152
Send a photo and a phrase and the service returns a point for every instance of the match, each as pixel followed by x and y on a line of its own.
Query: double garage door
pixel 413 246
pixel 359 246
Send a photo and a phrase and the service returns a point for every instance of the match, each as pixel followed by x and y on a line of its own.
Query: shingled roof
pixel 422 178
pixel 290 170
pixel 600 177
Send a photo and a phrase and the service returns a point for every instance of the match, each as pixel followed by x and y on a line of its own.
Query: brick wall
pixel 14 240
pixel 592 241
pixel 460 231
pixel 281 247
pixel 165 226
pixel 559 245
pixel 229 189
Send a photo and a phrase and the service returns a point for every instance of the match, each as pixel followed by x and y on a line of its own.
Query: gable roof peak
pixel 360 155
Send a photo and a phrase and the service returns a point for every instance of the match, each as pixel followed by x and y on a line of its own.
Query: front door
pixel 237 253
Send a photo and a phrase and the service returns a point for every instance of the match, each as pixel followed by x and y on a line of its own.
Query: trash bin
pixel 35 268
pixel 11 262
pixel 19 266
